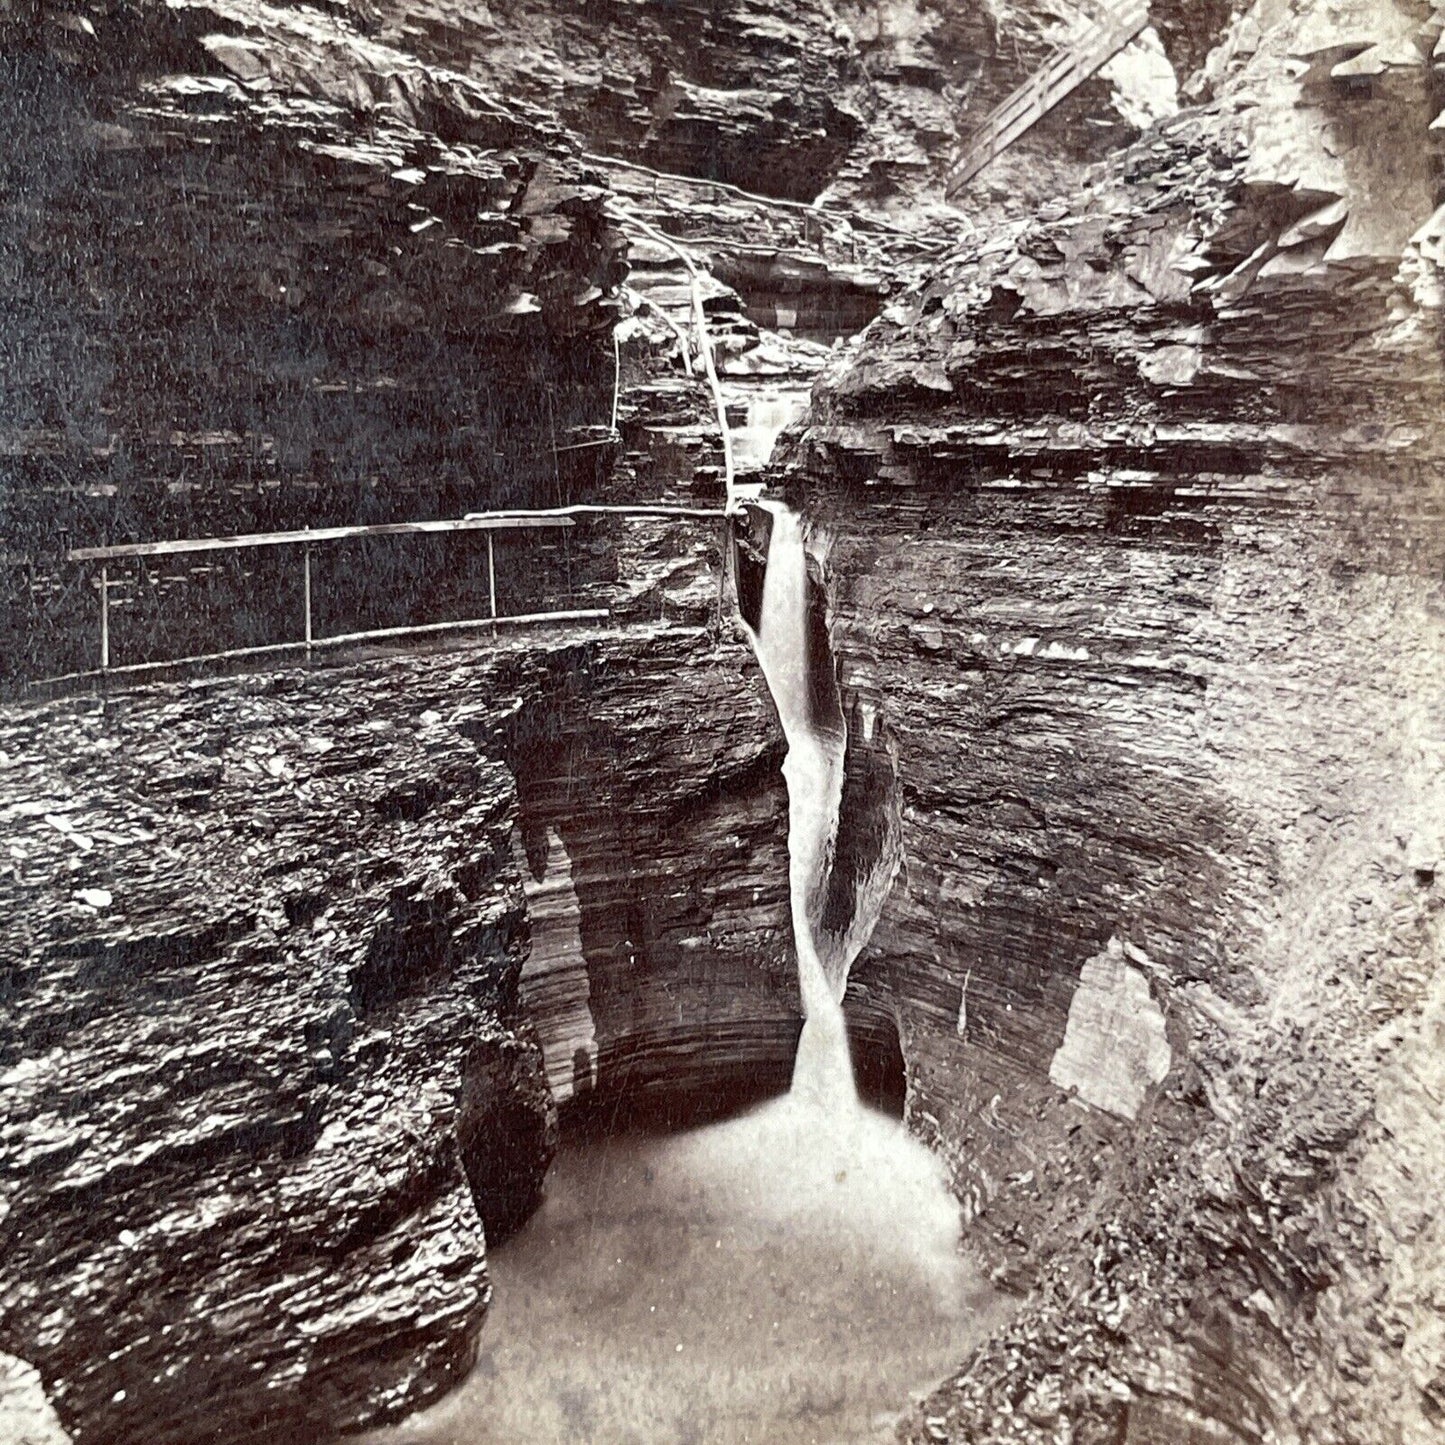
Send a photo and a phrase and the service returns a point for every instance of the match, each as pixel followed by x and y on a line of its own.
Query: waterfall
pixel 784 1275
pixel 790 641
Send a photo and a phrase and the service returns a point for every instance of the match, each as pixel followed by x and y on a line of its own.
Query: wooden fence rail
pixel 1055 80
pixel 485 522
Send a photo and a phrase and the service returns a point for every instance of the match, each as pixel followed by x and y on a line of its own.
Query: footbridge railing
pixel 1067 69
pixel 306 541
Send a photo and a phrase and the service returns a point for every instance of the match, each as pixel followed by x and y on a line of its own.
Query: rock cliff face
pixel 1135 531
pixel 1129 522
pixel 260 272
pixel 267 1069
pixel 255 933
pixel 680 891
pixel 270 266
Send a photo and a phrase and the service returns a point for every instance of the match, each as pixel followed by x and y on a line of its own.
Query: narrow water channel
pixel 790 1275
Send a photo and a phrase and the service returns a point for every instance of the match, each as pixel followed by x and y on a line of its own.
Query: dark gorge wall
pixel 274 1046
pixel 256 933
pixel 270 1065
pixel 650 798
pixel 269 267
pixel 261 273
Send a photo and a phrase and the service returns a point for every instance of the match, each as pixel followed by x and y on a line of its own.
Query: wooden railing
pixel 1058 78
pixel 487 523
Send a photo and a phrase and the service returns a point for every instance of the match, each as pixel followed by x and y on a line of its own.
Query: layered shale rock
pixel 267 1068
pixel 1136 535
pixel 654 824
pixel 262 271
pixel 800 99
pixel 253 932
pixel 269 266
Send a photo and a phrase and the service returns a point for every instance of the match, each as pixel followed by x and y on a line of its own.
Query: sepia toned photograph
pixel 722 722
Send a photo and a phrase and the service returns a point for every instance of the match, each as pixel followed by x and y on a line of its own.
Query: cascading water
pixel 784 1278
pixel 804 693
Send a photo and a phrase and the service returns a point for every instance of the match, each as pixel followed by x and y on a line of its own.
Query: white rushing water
pixel 788 1277
pixel 814 772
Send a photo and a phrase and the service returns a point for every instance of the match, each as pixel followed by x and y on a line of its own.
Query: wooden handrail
pixel 485 522
pixel 1053 82
pixel 308 537
pixel 472 522
pixel 349 639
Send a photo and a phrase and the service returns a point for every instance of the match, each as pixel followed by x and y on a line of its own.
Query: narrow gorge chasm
pixel 722 722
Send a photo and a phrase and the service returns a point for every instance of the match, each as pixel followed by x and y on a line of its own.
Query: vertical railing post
pixel 492 580
pixel 104 618
pixel 616 376
pixel 306 594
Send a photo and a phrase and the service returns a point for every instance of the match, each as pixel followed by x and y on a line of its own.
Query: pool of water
pixel 788 1277
pixel 792 1275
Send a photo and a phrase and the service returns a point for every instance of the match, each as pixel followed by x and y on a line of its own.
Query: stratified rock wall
pixel 265 1063
pixel 262 272
pixel 266 266
pixel 802 99
pixel 1133 532
pixel 656 775
pixel 743 91
pixel 1137 543
pixel 253 930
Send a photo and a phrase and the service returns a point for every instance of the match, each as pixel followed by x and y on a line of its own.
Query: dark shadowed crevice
pixel 750 537
pixel 410 947
pixel 878 1064
pixel 506 1131
pixel 868 848
pixel 642 1100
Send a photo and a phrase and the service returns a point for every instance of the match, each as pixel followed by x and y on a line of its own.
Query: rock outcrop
pixel 1136 535
pixel 267 1069
pixel 254 930
pixel 655 785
